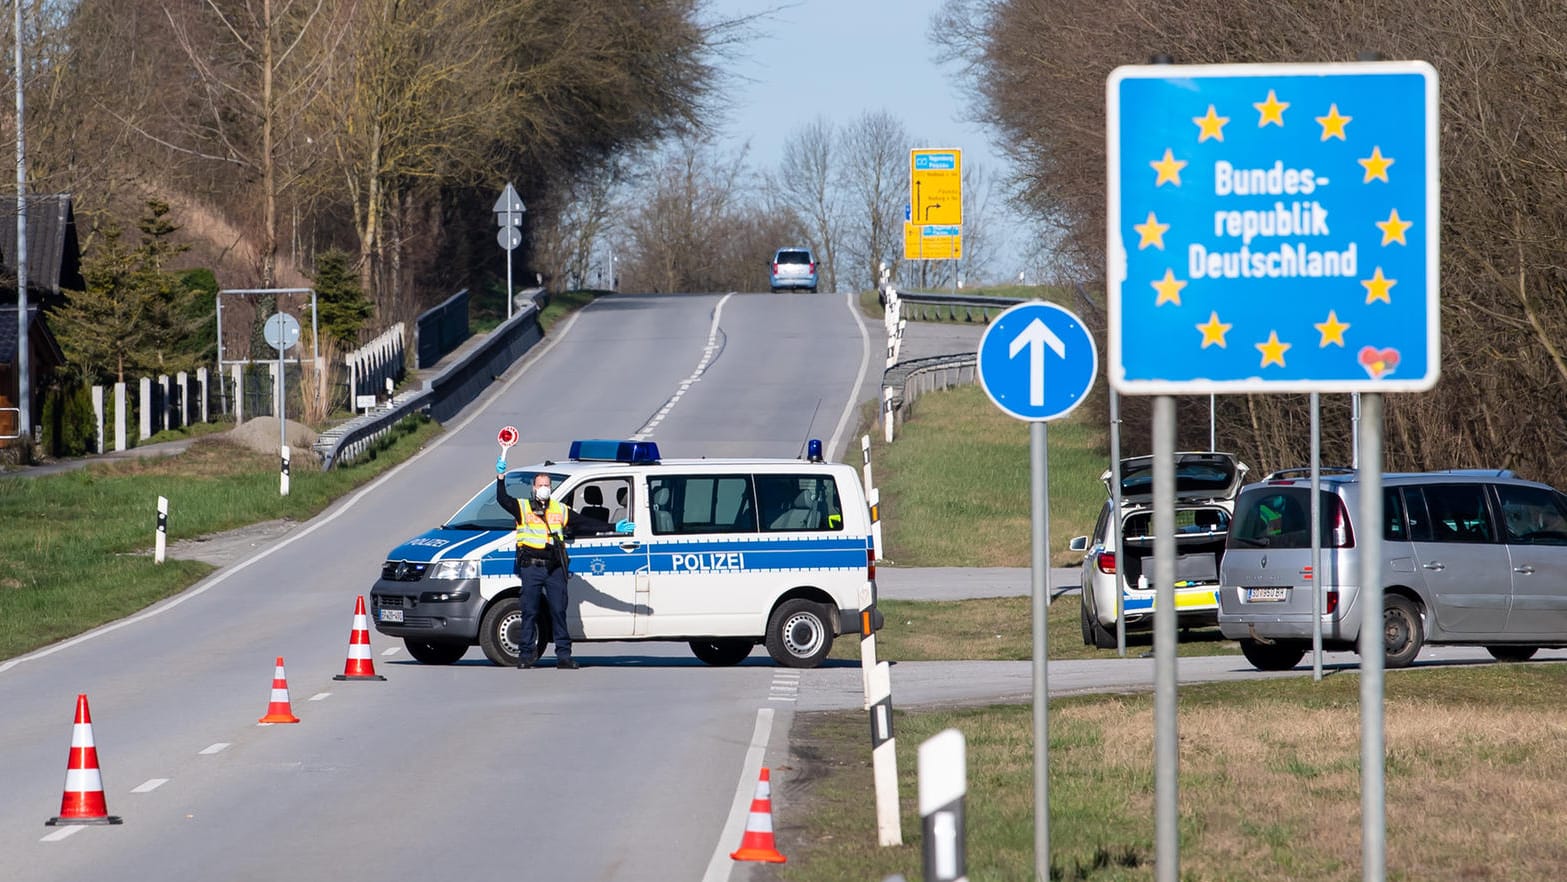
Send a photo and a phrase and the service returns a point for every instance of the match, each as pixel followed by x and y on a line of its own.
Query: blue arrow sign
pixel 1273 228
pixel 1037 361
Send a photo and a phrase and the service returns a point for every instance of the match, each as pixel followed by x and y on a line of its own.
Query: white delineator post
pixel 943 770
pixel 884 758
pixel 886 412
pixel 865 455
pixel 867 640
pixel 160 542
pixel 283 487
pixel 873 498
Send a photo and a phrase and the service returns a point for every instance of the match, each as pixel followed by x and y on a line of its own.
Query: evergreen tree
pixel 341 306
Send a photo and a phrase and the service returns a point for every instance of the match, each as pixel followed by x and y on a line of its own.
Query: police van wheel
pixel 800 634
pixel 434 652
pixel 498 631
pixel 722 653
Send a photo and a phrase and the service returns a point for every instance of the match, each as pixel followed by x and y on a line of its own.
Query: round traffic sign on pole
pixel 1037 361
pixel 508 237
pixel 281 331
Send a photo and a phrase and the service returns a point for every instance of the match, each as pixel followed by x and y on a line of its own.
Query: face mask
pixel 541 494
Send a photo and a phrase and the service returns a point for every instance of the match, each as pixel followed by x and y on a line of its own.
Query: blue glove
pixel 500 465
pixel 625 526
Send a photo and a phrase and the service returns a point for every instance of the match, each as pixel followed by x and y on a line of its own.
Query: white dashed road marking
pixel 709 352
pixel 215 748
pixel 149 785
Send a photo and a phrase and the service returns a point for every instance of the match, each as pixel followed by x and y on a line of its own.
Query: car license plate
pixel 1266 595
pixel 391 615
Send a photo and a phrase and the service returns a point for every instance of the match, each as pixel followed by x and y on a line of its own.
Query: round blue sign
pixel 1037 361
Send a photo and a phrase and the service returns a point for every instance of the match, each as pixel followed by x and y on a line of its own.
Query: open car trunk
pixel 1199 546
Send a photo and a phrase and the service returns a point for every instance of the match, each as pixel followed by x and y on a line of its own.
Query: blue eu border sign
pixel 1273 227
pixel 1036 361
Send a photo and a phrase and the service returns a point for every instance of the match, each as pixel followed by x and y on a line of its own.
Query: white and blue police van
pixel 724 554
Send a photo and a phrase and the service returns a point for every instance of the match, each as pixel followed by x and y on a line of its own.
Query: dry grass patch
pixel 1270 783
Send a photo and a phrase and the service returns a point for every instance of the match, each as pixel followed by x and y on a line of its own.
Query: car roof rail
pixel 1305 472
pixel 1480 473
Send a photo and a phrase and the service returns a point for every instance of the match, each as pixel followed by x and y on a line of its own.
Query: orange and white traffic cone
pixel 83 801
pixel 279 711
pixel 757 843
pixel 359 665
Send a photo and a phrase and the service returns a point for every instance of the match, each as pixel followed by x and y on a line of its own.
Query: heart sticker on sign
pixel 1378 362
pixel 507 437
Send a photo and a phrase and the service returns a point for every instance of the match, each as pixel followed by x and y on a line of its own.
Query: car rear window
pixel 1191 476
pixel 793 257
pixel 1280 517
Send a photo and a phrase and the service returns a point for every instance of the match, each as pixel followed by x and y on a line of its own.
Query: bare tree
pixel 805 184
pixel 874 176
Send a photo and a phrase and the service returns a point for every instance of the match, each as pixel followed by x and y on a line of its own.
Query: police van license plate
pixel 391 615
pixel 1263 595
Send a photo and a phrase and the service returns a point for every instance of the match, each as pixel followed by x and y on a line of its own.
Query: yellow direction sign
pixel 936 186
pixel 932 242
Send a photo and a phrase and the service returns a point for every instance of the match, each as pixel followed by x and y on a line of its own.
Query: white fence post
pixel 239 394
pixel 145 421
pixel 182 383
pixel 201 385
pixel 97 409
pixel 119 416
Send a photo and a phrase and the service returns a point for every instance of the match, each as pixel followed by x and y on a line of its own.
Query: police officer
pixel 541 526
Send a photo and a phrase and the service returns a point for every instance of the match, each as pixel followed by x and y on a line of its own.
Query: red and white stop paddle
pixel 507 437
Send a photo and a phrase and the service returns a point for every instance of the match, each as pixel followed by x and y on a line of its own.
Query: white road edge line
pixel 149 785
pixel 850 300
pixel 315 524
pixel 719 866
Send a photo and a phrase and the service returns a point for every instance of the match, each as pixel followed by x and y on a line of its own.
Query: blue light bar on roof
pixel 606 450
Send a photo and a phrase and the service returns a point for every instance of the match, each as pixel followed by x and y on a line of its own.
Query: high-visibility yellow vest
pixel 534 531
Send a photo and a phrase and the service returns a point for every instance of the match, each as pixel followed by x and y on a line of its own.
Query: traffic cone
pixel 757 843
pixel 359 665
pixel 83 800
pixel 279 711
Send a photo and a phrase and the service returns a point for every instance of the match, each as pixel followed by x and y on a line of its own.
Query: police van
pixel 724 554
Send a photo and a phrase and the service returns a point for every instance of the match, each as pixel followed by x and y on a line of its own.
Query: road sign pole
pixel 509 295
pixel 1373 647
pixel 1316 536
pixel 1115 521
pixel 1039 469
pixel 1167 843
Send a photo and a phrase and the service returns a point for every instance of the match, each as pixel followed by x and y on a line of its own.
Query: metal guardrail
pixel 443 395
pixel 931 306
pixel 441 329
pixel 906 381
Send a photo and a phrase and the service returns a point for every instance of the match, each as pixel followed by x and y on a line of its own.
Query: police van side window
pixel 684 504
pixel 798 502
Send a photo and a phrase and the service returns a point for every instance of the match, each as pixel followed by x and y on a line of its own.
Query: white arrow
pixel 1036 337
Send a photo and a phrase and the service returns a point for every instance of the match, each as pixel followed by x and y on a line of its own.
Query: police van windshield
pixel 482 511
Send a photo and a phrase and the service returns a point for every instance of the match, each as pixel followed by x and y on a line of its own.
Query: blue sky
pixel 841 58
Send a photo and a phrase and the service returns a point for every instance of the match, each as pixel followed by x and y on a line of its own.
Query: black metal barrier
pixel 442 328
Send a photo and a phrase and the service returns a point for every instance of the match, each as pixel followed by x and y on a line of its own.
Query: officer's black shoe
pixel 525 662
pixel 567 664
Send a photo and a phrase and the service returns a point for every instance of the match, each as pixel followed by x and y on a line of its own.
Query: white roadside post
pixel 867 640
pixel 283 486
pixel 873 497
pixel 886 412
pixel 943 770
pixel 865 455
pixel 884 758
pixel 160 542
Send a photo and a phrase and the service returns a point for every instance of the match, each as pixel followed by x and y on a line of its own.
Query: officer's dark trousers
pixel 538 582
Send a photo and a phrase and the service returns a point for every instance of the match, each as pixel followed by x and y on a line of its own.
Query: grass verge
pixel 955 484
pixel 1269 783
pixel 75 552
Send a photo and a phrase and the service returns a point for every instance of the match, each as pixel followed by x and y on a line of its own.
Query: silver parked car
pixel 1468 557
pixel 793 268
pixel 1205 488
